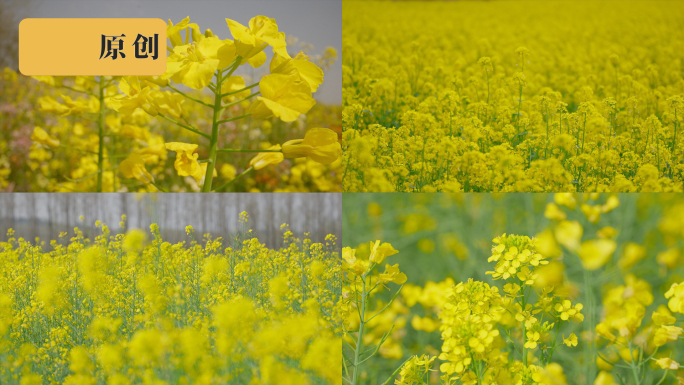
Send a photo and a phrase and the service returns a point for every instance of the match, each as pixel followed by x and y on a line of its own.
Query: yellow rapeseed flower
pixel 186 160
pixel 319 144
pixel 264 159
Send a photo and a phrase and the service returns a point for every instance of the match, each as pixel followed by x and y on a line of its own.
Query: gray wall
pixel 45 215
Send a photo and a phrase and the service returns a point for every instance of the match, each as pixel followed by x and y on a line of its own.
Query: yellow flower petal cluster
pixel 515 256
pixel 116 309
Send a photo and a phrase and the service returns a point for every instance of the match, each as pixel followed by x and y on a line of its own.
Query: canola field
pixel 513 96
pixel 121 309
pixel 519 289
pixel 198 127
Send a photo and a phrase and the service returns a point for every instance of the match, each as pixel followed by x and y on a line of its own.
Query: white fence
pixel 45 215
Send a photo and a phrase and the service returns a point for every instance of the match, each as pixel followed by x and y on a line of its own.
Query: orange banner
pixel 92 47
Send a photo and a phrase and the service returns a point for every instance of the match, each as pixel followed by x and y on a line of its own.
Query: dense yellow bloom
pixel 115 309
pixel 475 103
pixel 319 144
pixel 568 311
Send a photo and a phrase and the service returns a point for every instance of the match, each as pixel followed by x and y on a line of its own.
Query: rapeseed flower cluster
pixel 474 317
pixel 122 309
pixel 506 99
pixel 197 127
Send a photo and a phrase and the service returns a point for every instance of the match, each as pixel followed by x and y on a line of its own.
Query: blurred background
pixel 444 239
pixel 46 215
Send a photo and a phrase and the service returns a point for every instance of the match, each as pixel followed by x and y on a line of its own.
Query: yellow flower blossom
pixel 595 253
pixel 194 64
pixel 134 167
pixel 262 32
pixel 300 65
pixel 571 340
pixel 392 274
pixel 283 96
pixel 319 144
pixel 264 159
pixel 186 160
pixel 667 363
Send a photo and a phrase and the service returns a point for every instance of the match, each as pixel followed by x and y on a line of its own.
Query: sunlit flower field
pixel 513 96
pixel 132 309
pixel 223 117
pixel 520 289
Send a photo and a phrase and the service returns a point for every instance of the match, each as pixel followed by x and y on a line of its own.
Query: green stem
pixel 553 346
pixel 191 129
pixel 663 377
pixel 589 350
pixel 190 97
pixel 359 339
pixel 233 119
pixel 213 147
pixel 524 350
pixel 617 86
pixel 239 101
pixel 221 187
pixel 81 91
pixel 77 149
pixel 674 138
pixel 635 371
pixel 209 176
pixel 100 159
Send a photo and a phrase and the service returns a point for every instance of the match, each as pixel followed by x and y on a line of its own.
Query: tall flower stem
pixel 359 339
pixel 589 348
pixel 100 151
pixel 213 147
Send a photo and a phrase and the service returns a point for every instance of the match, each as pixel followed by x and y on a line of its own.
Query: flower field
pixel 118 309
pixel 198 127
pixel 520 289
pixel 514 96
